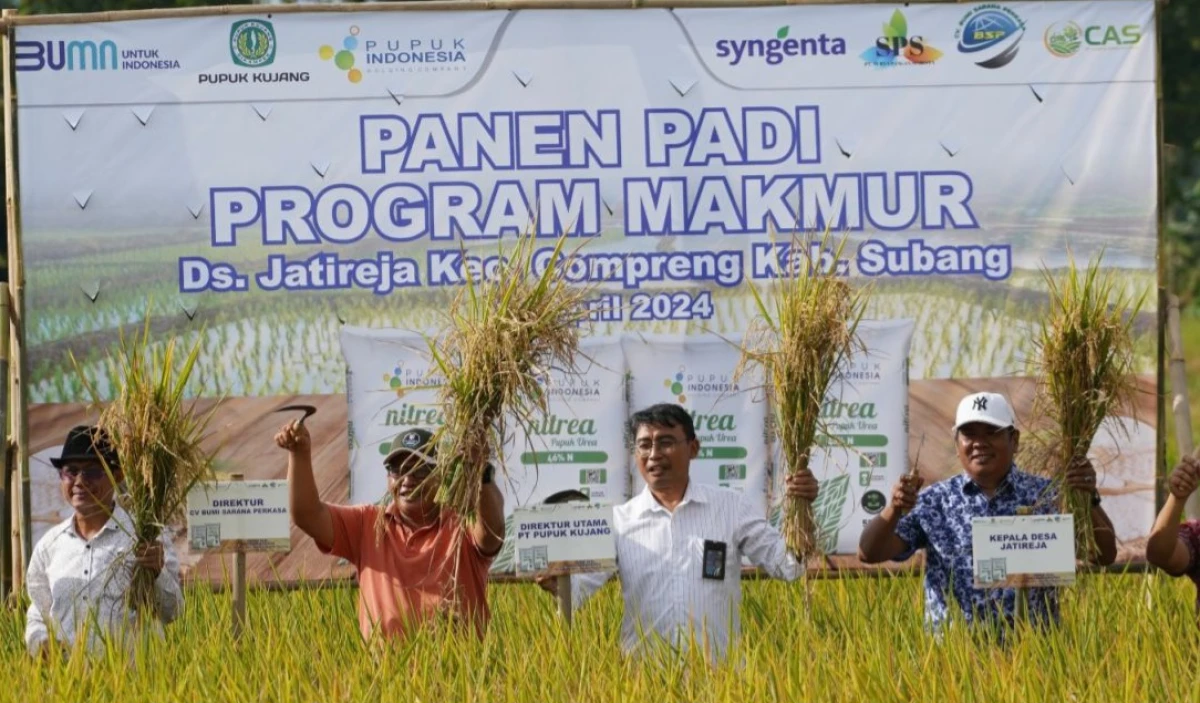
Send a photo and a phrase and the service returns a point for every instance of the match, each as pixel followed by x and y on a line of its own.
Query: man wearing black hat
pixel 416 561
pixel 81 569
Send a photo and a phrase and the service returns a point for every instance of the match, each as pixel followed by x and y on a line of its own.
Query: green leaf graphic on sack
pixel 503 563
pixel 827 511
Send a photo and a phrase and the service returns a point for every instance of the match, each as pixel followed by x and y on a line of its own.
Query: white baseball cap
pixel 989 408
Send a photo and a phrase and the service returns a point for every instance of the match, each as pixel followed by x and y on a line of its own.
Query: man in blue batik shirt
pixel 939 519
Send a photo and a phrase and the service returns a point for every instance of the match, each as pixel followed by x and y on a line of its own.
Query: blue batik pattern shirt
pixel 941 525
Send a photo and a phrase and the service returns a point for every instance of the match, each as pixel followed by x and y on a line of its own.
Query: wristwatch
pixel 488 471
pixel 1095 498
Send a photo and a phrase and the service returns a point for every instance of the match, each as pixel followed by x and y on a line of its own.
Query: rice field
pixel 1123 638
pixel 255 346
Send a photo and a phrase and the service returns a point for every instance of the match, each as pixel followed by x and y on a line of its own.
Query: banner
pixel 257 182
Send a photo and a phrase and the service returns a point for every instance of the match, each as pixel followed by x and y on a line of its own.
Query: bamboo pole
pixel 564 598
pixel 19 364
pixel 420 6
pixel 239 582
pixel 6 503
pixel 1180 403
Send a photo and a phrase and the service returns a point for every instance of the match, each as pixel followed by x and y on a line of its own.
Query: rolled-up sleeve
pixel 168 587
pixel 764 545
pixel 37 583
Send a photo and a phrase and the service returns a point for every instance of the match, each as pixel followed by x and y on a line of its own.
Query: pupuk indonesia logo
pixel 344 58
pixel 674 384
pixel 896 47
pixel 252 43
pixel 782 46
pixel 991 35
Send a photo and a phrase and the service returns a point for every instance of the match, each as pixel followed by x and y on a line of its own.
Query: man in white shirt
pixel 80 570
pixel 680 544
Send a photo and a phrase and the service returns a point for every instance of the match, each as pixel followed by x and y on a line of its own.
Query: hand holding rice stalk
pixel 503 335
pixel 158 440
pixel 801 341
pixel 1087 367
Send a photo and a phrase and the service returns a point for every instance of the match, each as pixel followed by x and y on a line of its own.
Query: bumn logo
pixel 252 43
pixel 85 55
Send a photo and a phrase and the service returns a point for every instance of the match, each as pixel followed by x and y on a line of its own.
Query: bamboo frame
pixel 6 503
pixel 18 418
pixel 16 424
pixel 421 6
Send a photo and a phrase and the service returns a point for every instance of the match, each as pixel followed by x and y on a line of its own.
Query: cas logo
pixel 991 35
pixel 896 47
pixel 1065 39
pixel 782 46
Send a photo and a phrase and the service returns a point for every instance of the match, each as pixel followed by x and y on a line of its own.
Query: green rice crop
pixel 1123 638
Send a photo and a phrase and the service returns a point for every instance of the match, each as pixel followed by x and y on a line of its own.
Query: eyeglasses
pixel 664 446
pixel 421 470
pixel 91 473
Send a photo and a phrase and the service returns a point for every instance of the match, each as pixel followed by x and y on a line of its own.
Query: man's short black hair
pixel 566 496
pixel 663 415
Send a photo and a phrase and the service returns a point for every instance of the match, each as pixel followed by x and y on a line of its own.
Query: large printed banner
pixel 261 183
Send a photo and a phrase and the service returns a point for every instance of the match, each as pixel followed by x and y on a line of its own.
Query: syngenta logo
pixel 783 46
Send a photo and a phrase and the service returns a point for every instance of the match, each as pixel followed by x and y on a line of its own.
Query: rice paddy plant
pixel 158 439
pixel 805 332
pixel 1124 639
pixel 1086 370
pixel 501 337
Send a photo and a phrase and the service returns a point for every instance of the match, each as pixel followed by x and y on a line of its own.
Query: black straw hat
pixel 87 443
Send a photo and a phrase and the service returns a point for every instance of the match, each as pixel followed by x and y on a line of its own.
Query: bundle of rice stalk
pixel 801 340
pixel 1086 363
pixel 158 437
pixel 502 336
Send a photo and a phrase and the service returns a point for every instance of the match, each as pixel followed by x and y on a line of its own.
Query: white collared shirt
pixel 660 561
pixel 75 583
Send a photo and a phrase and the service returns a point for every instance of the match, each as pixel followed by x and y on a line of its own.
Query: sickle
pixel 308 410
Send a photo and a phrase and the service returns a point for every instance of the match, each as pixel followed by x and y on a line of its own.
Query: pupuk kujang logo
pixel 252 43
pixel 896 47
pixel 991 35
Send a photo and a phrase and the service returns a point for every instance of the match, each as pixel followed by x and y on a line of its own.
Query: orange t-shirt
pixel 412 575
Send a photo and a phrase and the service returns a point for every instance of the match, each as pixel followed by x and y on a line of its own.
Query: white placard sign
pixel 564 539
pixel 1023 551
pixel 252 514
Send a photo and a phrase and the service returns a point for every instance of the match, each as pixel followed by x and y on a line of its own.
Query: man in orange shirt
pixel 416 561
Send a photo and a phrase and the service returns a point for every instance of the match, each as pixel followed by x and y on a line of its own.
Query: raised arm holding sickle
pixel 411 542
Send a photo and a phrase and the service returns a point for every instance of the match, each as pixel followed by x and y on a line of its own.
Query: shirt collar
pixel 645 502
pixel 119 520
pixel 1007 485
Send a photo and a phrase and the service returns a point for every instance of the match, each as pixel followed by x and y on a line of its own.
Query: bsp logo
pixel 1065 39
pixel 252 43
pixel 991 35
